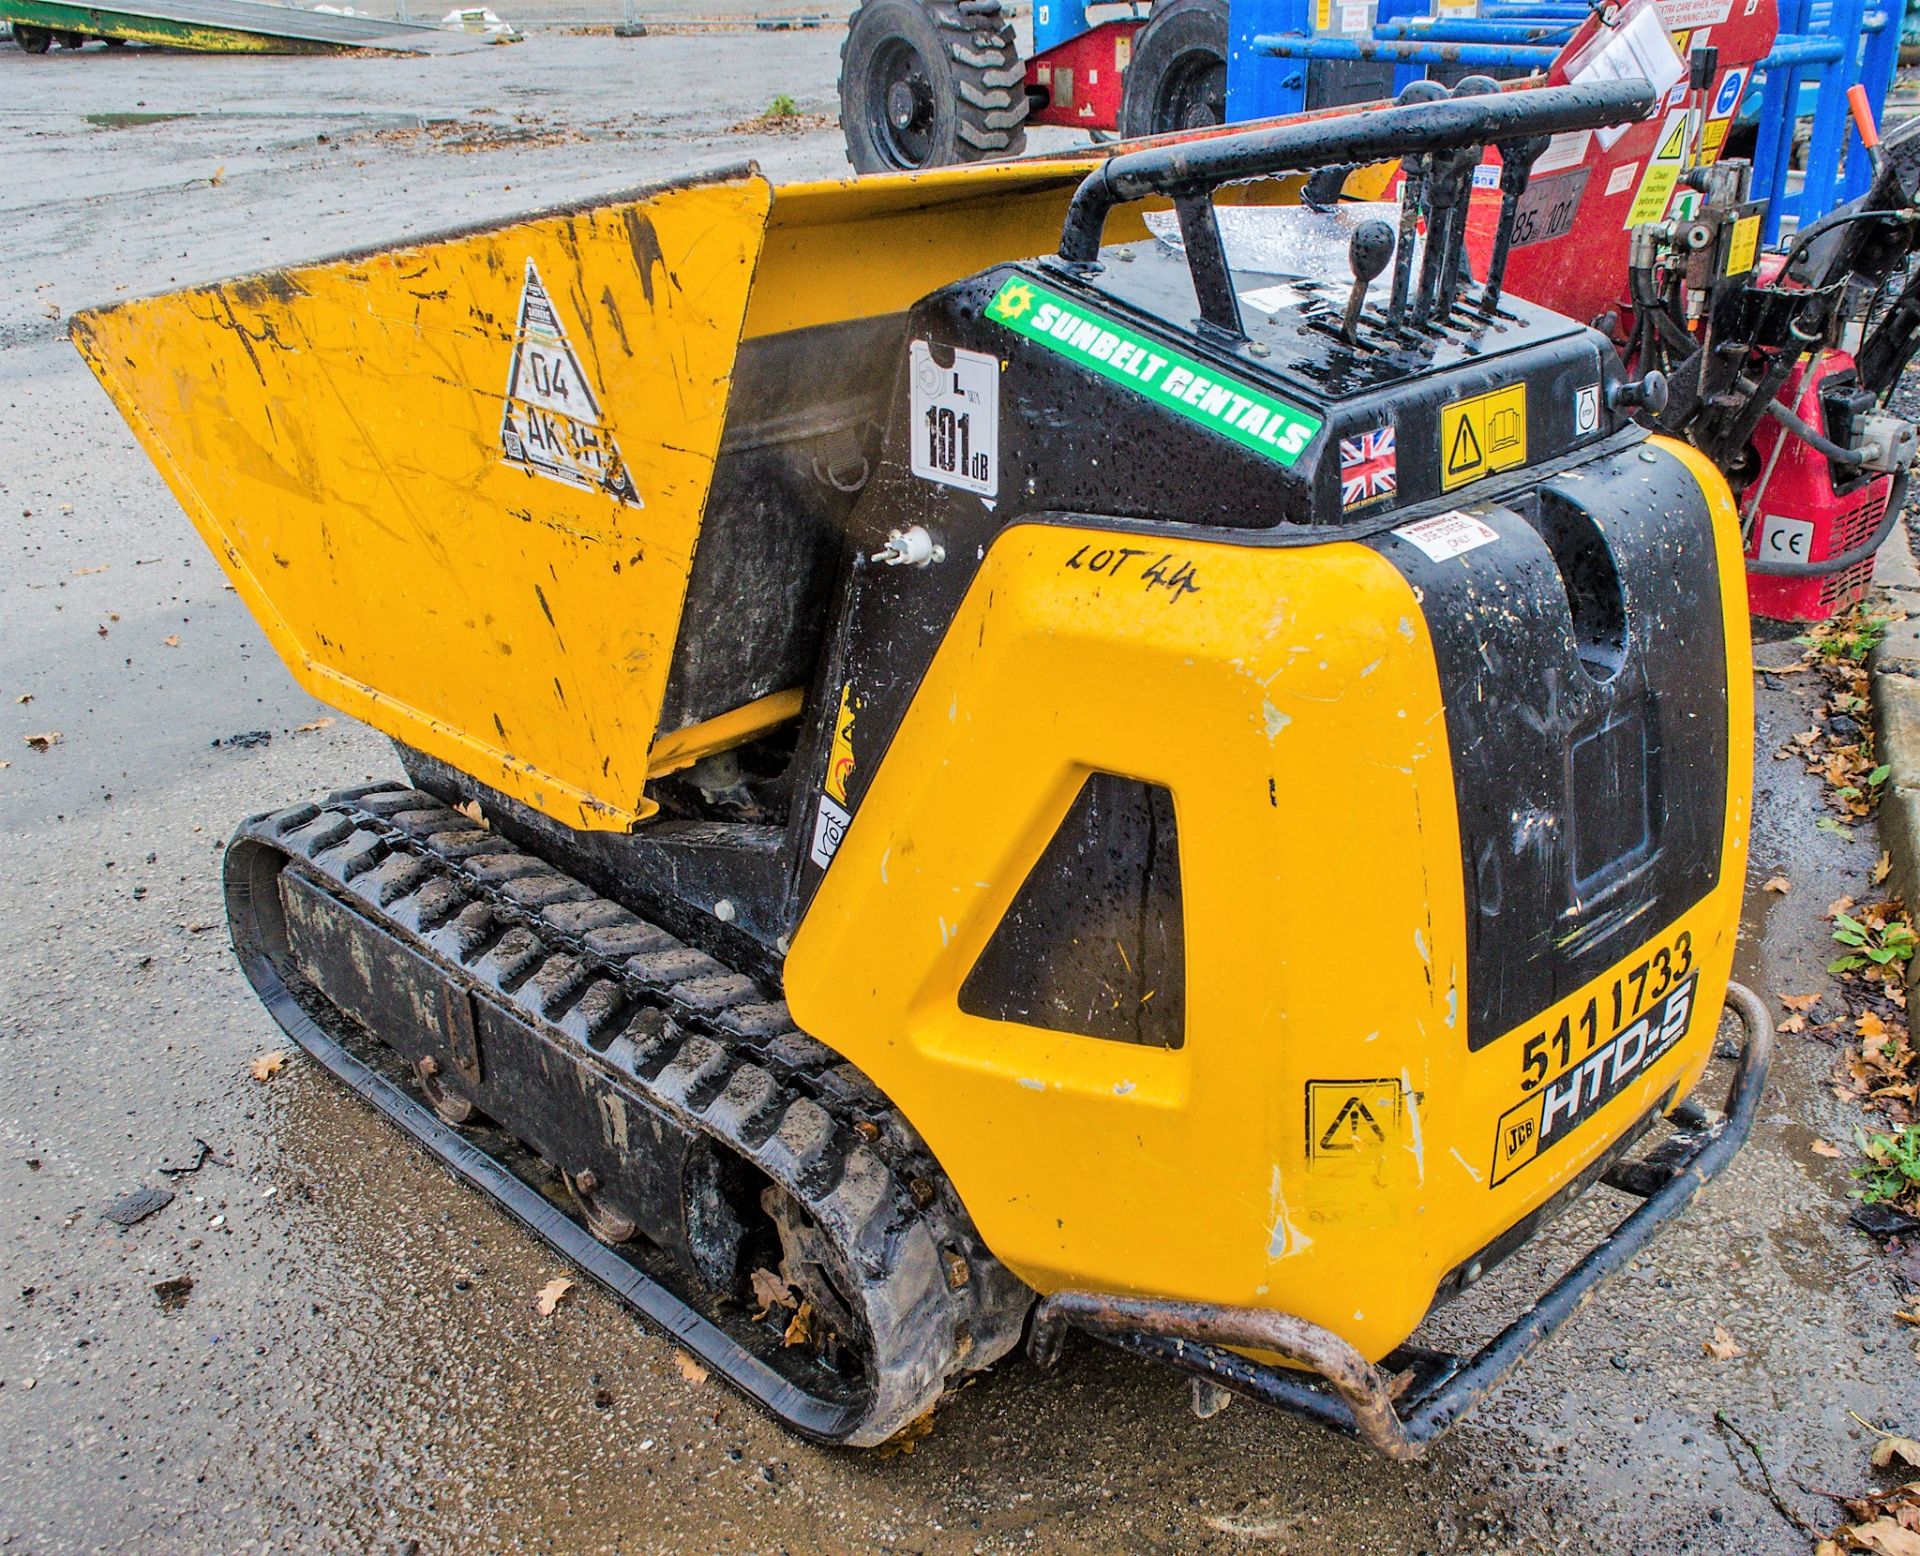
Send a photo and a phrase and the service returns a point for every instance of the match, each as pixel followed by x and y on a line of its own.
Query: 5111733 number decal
pixel 1582 1084
pixel 1631 993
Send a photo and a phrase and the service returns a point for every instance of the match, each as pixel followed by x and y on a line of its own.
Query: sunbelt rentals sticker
pixel 1184 385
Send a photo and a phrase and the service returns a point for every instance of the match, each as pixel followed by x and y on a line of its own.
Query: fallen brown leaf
pixel 1839 905
pixel 1826 1148
pixel 171 640
pixel 1890 1448
pixel 800 1329
pixel 550 1295
pixel 23 699
pixel 1870 1025
pixel 88 572
pixel 904 1440
pixel 45 742
pixel 1884 1537
pixel 770 1291
pixel 1882 868
pixel 1800 1001
pixel 690 1369
pixel 472 811
pixel 268 1065
pixel 1779 885
pixel 1723 1346
pixel 309 728
pixel 1792 1024
pixel 219 176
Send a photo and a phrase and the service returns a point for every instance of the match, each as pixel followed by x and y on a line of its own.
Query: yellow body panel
pixel 1292 708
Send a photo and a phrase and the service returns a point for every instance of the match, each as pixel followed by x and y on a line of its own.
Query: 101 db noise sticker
pixel 956 419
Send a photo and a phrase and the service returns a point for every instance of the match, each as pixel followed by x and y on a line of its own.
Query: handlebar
pixel 1189 167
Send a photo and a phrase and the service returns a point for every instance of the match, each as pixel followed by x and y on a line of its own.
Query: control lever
pixel 1453 259
pixel 1413 197
pixel 1322 189
pixel 1703 64
pixel 1367 254
pixel 1517 158
pixel 1449 186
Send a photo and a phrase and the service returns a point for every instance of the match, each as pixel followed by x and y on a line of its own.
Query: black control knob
pixel 1367 254
pixel 1647 394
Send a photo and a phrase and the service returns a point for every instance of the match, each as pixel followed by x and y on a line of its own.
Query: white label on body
pixel 955 430
pixel 1785 540
pixel 1449 535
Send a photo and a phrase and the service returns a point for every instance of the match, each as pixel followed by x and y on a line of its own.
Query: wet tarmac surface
pixel 358 1365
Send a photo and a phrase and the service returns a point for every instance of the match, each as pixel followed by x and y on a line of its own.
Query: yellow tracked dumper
pixel 986 760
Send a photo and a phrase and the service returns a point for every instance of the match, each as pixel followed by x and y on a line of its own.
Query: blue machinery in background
pixel 1823 48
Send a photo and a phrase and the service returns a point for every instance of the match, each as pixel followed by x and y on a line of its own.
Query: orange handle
pixel 1862 117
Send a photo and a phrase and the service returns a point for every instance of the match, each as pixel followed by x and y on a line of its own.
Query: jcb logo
pixel 1519 1136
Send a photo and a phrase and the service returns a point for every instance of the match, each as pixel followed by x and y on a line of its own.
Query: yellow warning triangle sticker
pixel 1675 145
pixel 1465 453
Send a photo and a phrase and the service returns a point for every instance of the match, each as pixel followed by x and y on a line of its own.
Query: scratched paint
pixel 334 432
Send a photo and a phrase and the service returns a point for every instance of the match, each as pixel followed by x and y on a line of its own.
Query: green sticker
pixel 1183 384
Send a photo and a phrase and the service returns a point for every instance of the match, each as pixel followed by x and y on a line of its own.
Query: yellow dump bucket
pixel 462 483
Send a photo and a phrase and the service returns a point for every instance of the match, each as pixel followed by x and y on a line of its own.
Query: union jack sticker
pixel 1369 468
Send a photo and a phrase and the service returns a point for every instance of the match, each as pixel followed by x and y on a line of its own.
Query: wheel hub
pixel 1193 94
pixel 900 105
pixel 903 108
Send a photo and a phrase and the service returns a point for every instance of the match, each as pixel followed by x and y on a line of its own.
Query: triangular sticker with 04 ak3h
pixel 552 424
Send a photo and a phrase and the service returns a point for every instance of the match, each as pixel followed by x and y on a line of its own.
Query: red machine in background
pixel 1804 508
pixel 1652 237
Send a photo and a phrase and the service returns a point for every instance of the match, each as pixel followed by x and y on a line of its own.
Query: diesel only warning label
pixel 1560 1106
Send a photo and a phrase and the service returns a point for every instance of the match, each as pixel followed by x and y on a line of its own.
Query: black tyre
pixel 35 40
pixel 70 40
pixel 926 83
pixel 1178 77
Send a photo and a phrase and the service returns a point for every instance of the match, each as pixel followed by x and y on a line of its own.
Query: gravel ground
pixel 358 1365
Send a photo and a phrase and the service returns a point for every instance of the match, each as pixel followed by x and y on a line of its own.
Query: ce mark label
pixel 1786 540
pixel 1353 1121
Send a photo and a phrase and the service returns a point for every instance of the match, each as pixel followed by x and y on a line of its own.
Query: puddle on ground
pixel 128 121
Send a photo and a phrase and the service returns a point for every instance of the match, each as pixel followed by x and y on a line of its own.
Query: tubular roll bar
pixel 1194 167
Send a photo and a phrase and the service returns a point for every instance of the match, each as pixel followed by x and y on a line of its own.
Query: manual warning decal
pixel 552 424
pixel 1184 385
pixel 1480 436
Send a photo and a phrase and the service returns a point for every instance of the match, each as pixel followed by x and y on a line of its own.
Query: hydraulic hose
pixel 1896 501
pixel 1811 435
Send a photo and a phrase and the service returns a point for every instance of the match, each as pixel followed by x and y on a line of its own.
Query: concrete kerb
pixel 1895 669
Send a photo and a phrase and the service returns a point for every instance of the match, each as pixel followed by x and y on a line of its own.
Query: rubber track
pixel 726 1061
